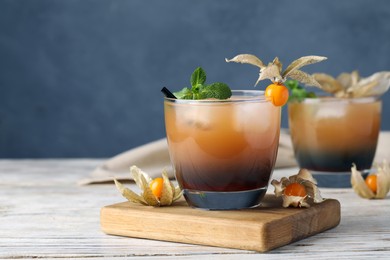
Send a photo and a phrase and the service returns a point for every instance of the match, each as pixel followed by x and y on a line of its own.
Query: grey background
pixel 83 78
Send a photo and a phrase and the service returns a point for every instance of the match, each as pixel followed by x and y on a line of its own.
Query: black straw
pixel 167 93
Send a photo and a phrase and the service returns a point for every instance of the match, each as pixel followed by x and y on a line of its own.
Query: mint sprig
pixel 198 77
pixel 199 90
pixel 297 92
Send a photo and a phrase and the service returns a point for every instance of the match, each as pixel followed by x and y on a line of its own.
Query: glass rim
pixel 246 96
pixel 331 99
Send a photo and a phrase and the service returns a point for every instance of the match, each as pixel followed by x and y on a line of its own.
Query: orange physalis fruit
pixel 371 182
pixel 295 189
pixel 298 190
pixel 277 93
pixel 157 186
pixel 156 193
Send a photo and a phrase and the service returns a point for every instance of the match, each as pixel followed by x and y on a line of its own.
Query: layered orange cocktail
pixel 223 151
pixel 330 134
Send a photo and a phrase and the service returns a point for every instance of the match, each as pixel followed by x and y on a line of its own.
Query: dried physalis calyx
pixel 273 70
pixel 298 190
pixel 351 85
pixel 157 192
pixel 375 186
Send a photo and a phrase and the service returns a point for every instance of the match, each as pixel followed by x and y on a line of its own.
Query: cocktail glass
pixel 330 134
pixel 223 151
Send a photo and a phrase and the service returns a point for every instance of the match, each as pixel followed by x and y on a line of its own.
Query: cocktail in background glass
pixel 330 134
pixel 223 151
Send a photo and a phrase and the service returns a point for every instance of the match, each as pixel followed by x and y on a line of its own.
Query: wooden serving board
pixel 261 229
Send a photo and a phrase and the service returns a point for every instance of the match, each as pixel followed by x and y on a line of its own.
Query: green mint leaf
pixel 198 77
pixel 196 91
pixel 216 90
pixel 297 92
pixel 199 90
pixel 292 84
pixel 185 93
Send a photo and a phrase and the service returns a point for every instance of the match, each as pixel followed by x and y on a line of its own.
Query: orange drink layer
pixel 223 146
pixel 330 134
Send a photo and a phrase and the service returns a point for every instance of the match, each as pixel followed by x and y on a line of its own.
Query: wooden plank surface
pixel 261 229
pixel 45 214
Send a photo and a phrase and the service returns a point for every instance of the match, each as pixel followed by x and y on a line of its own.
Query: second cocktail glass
pixel 330 134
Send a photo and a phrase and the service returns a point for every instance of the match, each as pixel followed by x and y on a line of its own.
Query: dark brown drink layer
pixel 239 178
pixel 337 161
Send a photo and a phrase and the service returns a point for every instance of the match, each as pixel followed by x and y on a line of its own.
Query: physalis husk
pixel 169 193
pixel 305 187
pixel 351 85
pixel 273 70
pixel 382 182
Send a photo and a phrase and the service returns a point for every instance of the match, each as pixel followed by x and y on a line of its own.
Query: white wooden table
pixel 45 214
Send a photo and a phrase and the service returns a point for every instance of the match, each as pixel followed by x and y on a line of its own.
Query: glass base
pixel 335 179
pixel 224 200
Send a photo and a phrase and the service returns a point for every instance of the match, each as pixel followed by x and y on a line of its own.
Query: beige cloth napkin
pixel 154 156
